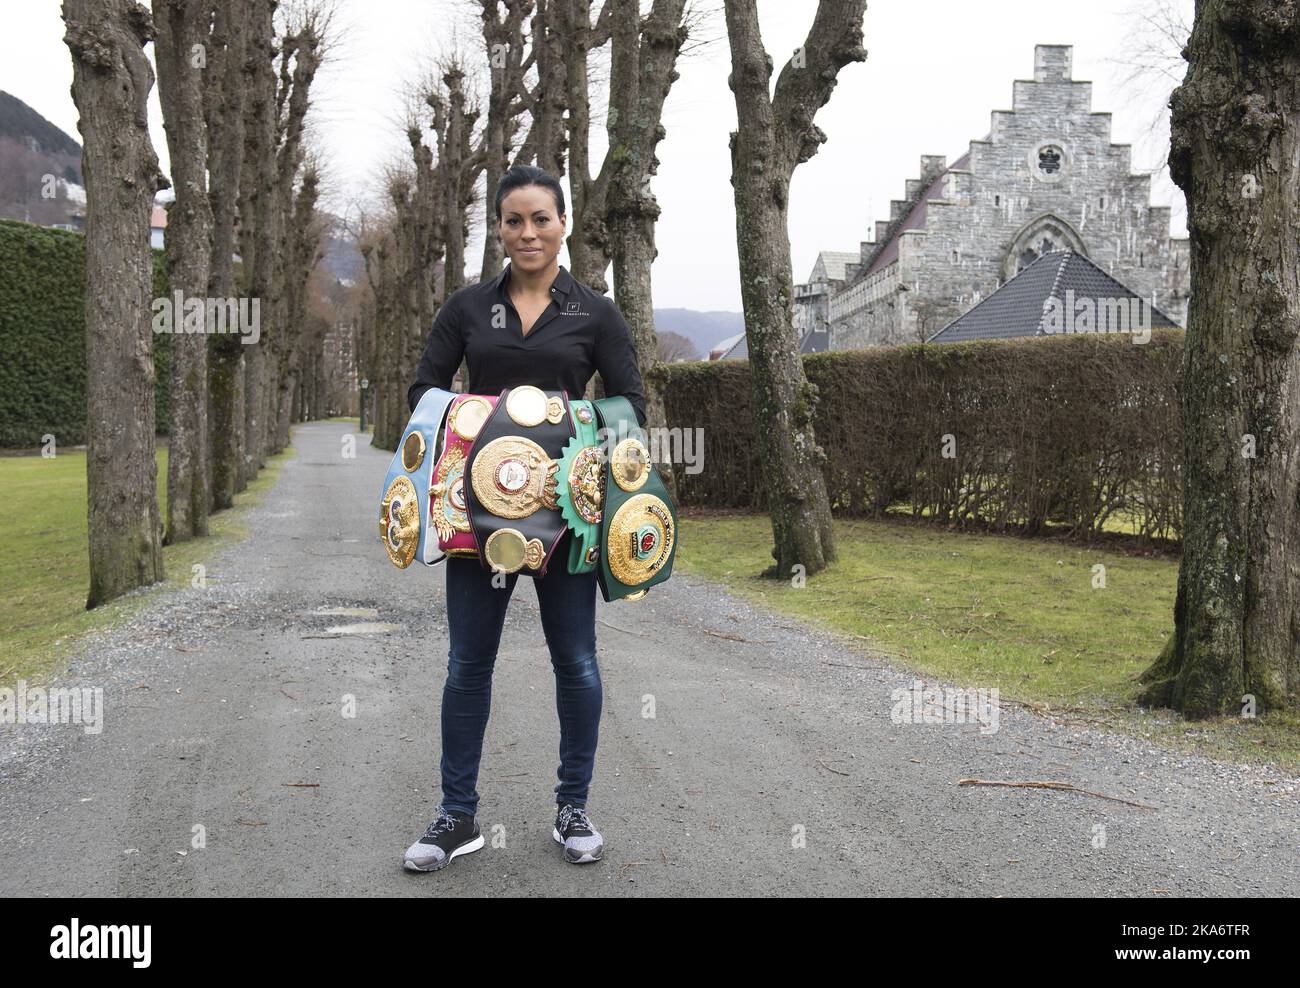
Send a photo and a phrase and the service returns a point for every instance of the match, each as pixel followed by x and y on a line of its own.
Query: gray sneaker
pixel 582 842
pixel 450 834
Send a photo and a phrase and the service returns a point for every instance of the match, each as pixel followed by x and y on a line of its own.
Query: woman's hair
pixel 521 175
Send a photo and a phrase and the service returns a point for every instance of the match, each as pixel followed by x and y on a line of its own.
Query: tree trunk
pixel 225 113
pixel 588 241
pixel 259 174
pixel 182 26
pixel 300 255
pixel 111 79
pixel 504 42
pixel 642 72
pixel 1234 151
pixel 547 142
pixel 774 135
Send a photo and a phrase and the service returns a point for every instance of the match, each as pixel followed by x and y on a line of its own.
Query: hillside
pixel 20 121
pixel 704 329
pixel 36 158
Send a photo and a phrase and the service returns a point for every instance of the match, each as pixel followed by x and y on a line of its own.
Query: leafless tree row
pixel 234 82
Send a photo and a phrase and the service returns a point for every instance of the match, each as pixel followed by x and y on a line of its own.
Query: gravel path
pixel 770 765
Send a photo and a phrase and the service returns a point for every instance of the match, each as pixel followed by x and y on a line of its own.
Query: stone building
pixel 810 309
pixel 1046 177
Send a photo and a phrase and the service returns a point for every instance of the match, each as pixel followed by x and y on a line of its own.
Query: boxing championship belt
pixel 404 525
pixel 582 487
pixel 447 507
pixel 638 526
pixel 511 492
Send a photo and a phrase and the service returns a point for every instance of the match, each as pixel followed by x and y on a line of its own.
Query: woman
pixel 532 324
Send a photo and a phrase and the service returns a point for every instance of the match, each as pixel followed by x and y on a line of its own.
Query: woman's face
pixel 531 232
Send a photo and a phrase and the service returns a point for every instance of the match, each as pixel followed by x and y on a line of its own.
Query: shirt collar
pixel 562 285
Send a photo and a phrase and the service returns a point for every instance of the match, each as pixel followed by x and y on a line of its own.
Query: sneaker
pixel 452 833
pixel 581 840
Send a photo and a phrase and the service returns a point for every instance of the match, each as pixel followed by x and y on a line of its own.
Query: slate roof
pixel 887 254
pixel 835 261
pixel 1018 308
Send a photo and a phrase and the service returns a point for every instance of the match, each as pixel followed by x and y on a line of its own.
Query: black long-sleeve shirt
pixel 578 334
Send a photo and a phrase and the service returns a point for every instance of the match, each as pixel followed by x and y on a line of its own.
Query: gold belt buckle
pixel 513 477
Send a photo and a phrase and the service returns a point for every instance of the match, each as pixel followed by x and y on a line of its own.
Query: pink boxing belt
pixel 447 509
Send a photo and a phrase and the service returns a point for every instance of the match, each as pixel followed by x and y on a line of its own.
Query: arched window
pixel 1040 236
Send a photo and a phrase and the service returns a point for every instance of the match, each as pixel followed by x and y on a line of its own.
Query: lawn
pixel 1057 626
pixel 44 570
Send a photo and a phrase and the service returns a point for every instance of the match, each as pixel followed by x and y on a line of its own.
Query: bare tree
pixel 1150 63
pixel 674 346
pixel 180 50
pixel 547 142
pixel 509 60
pixel 929 315
pixel 225 97
pixel 302 252
pixel 775 134
pixel 297 225
pixel 258 222
pixel 111 79
pixel 1235 150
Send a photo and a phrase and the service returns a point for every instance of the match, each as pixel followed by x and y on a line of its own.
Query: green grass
pixel 1120 522
pixel 45 570
pixel 979 610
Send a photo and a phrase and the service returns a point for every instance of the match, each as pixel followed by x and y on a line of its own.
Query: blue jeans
pixel 476 611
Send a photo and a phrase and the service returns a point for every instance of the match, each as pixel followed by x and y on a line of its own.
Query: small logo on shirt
pixel 574 309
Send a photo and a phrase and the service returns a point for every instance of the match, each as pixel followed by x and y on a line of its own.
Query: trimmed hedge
pixel 43 336
pixel 1046 431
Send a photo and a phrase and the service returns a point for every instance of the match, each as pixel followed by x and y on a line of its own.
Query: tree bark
pixel 776 133
pixel 182 28
pixel 296 226
pixel 301 254
pixel 547 142
pixel 225 114
pixel 258 221
pixel 1235 144
pixel 507 65
pixel 589 249
pixel 641 73
pixel 111 79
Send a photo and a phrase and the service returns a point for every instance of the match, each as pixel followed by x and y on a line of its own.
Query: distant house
pixel 811 299
pixel 737 347
pixel 724 346
pixel 157 226
pixel 1059 292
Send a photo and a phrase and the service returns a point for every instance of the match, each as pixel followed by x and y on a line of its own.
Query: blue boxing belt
pixel 404 524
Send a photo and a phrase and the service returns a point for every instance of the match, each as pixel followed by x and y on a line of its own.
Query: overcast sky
pixel 935 69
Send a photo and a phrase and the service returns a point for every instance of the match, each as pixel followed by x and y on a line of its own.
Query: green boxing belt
pixel 582 487
pixel 638 520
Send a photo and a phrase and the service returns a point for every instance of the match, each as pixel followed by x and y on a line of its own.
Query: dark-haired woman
pixel 532 324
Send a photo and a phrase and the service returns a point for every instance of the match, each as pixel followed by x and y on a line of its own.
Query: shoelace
pixel 573 818
pixel 444 822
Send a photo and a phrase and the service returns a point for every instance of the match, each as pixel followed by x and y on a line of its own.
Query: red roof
pixel 914 219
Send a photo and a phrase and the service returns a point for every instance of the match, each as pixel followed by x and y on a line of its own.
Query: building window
pixel 1049 160
pixel 1102 202
pixel 956 256
pixel 997 200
